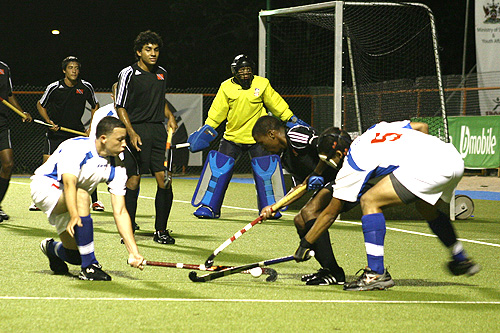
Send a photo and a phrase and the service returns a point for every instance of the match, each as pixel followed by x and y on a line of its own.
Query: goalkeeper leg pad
pixel 212 185
pixel 269 181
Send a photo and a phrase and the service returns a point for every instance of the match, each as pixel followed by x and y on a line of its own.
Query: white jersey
pixel 104 111
pixel 79 157
pixel 425 165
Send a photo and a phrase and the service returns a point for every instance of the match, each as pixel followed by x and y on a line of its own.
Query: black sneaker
pixel 163 237
pixel 3 216
pixel 370 280
pixel 467 267
pixel 135 226
pixel 57 265
pixel 94 272
pixel 324 277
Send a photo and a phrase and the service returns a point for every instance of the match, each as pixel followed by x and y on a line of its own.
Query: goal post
pixel 353 64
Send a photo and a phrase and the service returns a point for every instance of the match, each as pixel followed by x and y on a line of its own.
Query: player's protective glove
pixel 315 183
pixel 294 121
pixel 303 252
pixel 200 139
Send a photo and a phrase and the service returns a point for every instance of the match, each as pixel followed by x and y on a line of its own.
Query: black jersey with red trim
pixel 66 105
pixel 301 156
pixel 142 94
pixel 5 92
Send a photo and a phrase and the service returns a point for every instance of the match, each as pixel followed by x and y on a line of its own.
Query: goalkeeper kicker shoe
pixel 370 280
pixel 94 272
pixel 467 267
pixel 324 277
pixel 57 265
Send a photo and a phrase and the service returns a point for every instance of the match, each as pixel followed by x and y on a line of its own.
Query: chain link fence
pixel 312 104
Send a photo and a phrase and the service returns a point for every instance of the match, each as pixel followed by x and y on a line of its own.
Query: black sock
pixel 131 203
pixel 163 204
pixel 94 196
pixel 323 250
pixel 443 228
pixel 4 185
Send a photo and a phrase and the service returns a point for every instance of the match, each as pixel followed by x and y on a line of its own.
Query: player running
pixel 297 149
pixel 61 188
pixel 415 167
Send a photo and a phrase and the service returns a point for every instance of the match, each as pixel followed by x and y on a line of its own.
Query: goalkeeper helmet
pixel 333 142
pixel 239 68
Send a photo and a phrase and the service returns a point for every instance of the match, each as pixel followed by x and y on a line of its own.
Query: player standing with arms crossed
pixel 61 188
pixel 141 105
pixel 6 152
pixel 63 104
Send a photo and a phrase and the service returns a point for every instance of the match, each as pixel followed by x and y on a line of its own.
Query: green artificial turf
pixel 425 298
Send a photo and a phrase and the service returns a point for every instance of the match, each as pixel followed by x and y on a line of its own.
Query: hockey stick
pixel 282 202
pixel 193 276
pixel 168 162
pixel 16 110
pixel 273 275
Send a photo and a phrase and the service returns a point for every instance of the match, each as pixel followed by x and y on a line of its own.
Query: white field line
pixel 224 300
pixel 337 221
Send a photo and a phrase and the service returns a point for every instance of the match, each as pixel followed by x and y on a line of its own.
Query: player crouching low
pixel 61 187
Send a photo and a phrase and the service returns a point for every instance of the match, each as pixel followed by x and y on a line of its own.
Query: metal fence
pixel 308 104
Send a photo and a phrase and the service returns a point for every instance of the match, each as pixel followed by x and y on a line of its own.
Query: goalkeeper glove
pixel 293 121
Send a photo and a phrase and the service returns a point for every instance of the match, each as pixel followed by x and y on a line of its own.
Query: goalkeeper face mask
pixel 242 69
pixel 244 77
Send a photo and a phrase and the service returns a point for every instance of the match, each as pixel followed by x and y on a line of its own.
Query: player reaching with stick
pixel 415 167
pixel 6 152
pixel 299 156
pixel 141 105
pixel 63 104
pixel 61 187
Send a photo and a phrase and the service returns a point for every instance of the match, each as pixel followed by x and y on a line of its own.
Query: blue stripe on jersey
pixel 110 113
pixel 88 156
pixel 351 162
pixel 53 174
pixel 112 162
pixel 408 126
pixel 383 171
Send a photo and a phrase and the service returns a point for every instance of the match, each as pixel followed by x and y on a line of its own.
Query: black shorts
pixel 130 163
pixel 151 158
pixel 5 139
pixel 52 143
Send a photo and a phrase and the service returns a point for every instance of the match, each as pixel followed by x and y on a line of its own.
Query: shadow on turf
pixel 399 282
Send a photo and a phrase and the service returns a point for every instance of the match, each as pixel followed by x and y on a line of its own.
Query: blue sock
pixel 70 256
pixel 458 252
pixel 374 233
pixel 84 237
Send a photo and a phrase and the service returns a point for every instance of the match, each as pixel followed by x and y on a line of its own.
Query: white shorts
pixel 427 181
pixel 45 193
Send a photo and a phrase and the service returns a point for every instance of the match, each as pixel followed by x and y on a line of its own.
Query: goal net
pixel 353 64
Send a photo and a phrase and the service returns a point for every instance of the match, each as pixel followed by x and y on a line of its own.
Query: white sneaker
pixel 98 206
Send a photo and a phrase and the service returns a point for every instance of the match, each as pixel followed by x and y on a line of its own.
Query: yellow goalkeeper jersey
pixel 242 108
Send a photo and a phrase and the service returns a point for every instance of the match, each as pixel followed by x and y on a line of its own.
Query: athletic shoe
pixel 3 216
pixel 163 237
pixel 370 280
pixel 94 272
pixel 324 277
pixel 34 208
pixel 57 265
pixel 467 267
pixel 98 206
pixel 135 226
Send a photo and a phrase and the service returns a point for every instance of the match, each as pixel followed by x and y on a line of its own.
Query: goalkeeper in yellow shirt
pixel 241 100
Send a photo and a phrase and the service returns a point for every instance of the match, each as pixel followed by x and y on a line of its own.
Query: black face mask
pixel 244 83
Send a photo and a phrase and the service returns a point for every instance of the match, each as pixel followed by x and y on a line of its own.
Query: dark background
pixel 200 37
